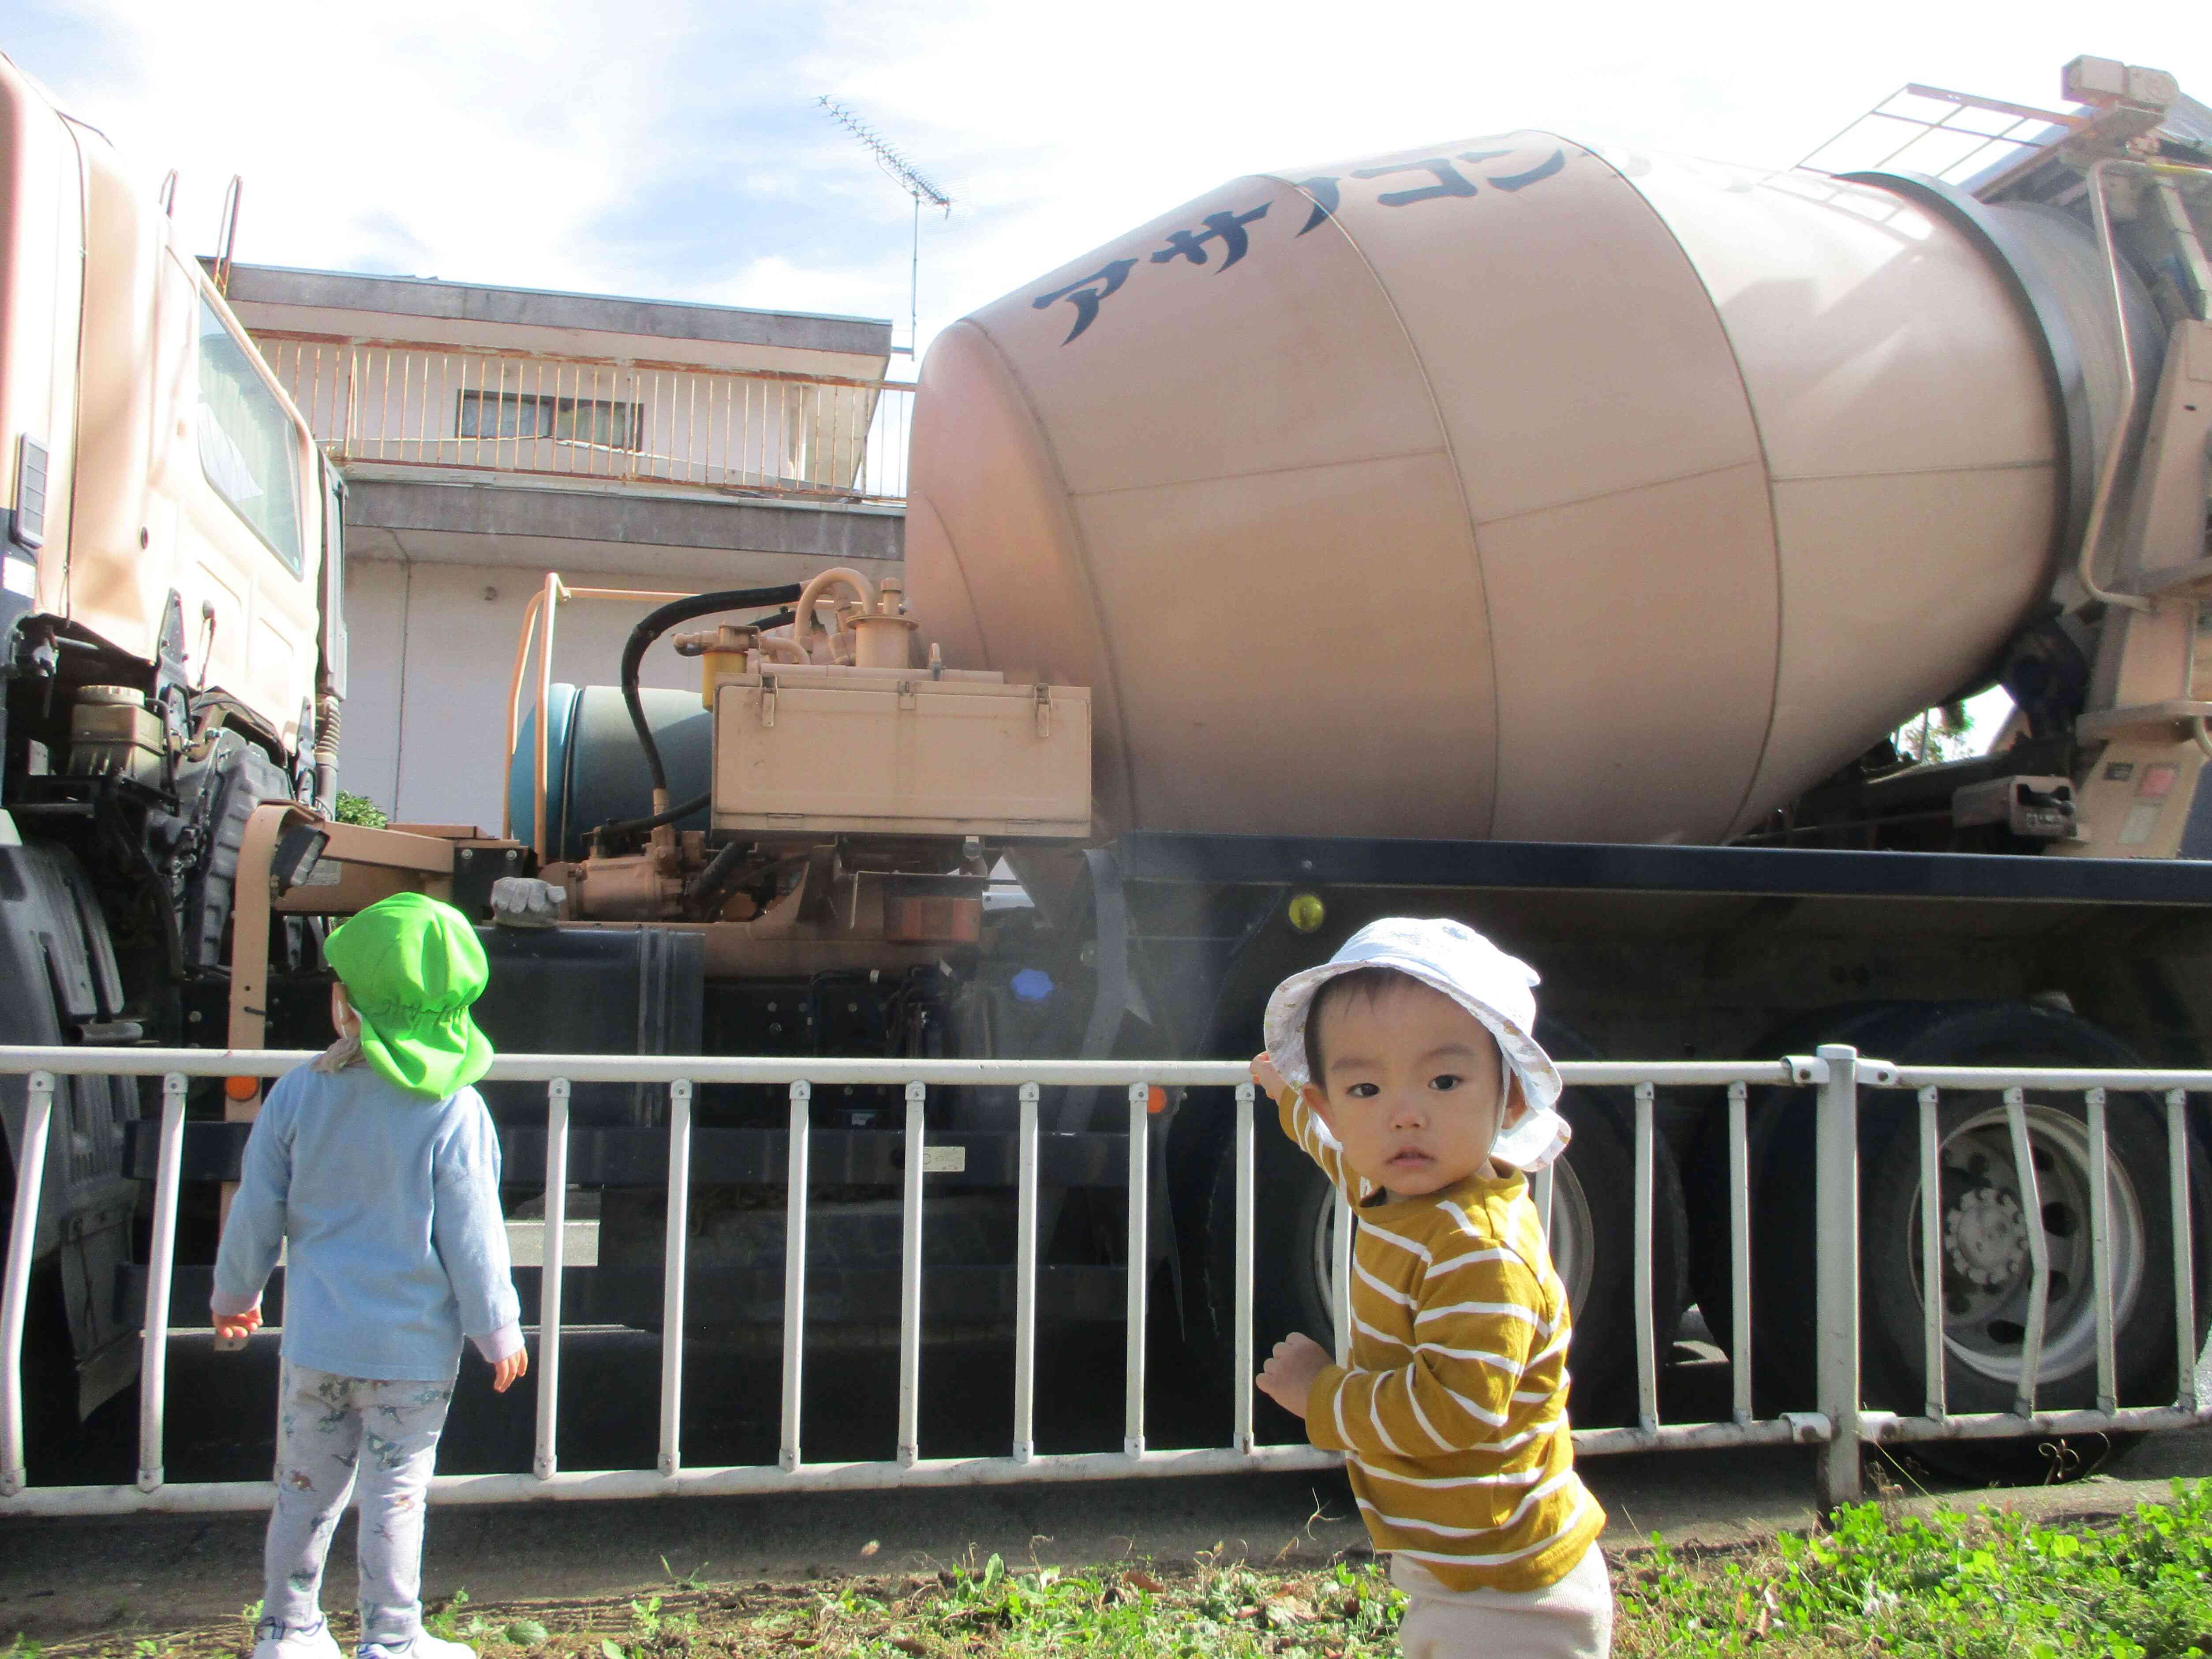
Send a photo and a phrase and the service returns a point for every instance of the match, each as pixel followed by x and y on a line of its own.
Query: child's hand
pixel 1269 1079
pixel 504 1373
pixel 1288 1376
pixel 236 1327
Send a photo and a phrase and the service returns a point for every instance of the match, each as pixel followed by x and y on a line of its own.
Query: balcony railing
pixel 1954 135
pixel 408 403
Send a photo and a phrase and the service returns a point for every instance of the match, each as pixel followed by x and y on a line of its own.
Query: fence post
pixel 16 1287
pixel 675 1264
pixel 910 1247
pixel 1647 1334
pixel 1025 1278
pixel 1836 1131
pixel 794 1271
pixel 2185 1252
pixel 1242 1381
pixel 545 1459
pixel 1133 1379
pixel 153 1360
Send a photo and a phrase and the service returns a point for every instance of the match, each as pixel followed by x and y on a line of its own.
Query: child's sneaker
pixel 424 1646
pixel 274 1641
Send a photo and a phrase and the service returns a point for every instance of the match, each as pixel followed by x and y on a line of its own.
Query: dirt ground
pixel 64 1580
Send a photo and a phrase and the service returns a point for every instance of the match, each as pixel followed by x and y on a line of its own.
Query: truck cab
pixel 170 652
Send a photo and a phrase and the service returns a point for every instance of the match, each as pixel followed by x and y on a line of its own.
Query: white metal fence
pixel 408 404
pixel 1839 1424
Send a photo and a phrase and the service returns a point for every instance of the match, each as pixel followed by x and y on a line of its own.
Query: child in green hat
pixel 378 1167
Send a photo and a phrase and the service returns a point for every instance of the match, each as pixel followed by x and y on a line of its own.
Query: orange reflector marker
pixel 1156 1100
pixel 241 1088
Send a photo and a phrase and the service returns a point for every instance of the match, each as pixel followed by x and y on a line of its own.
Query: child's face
pixel 1414 1090
pixel 343 1020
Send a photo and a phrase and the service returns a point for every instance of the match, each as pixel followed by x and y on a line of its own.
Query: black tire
pixel 1291 1205
pixel 1977 1379
pixel 1600 1165
pixel 1778 1301
pixel 1597 1177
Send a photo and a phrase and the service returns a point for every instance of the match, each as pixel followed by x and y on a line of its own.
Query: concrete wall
pixel 429 654
pixel 429 649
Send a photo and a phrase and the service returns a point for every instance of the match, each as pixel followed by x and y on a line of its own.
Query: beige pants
pixel 1570 1619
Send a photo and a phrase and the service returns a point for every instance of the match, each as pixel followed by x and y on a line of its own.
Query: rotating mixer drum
pixel 1507 489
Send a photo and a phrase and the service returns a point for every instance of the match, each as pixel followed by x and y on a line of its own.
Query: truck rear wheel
pixel 1986 1276
pixel 1593 1247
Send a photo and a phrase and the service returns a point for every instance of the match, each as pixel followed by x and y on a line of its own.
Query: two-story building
pixel 491 435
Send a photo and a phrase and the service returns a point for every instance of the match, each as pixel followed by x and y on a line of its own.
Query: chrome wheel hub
pixel 1986 1237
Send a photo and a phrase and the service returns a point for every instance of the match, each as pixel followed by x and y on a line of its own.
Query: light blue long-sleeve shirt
pixel 388 1205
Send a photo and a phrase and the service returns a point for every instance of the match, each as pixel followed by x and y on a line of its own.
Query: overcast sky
pixel 675 151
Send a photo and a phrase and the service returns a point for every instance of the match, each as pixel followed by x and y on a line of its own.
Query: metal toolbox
pixel 814 749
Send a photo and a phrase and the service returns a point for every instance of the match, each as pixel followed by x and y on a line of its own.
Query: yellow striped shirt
pixel 1453 1414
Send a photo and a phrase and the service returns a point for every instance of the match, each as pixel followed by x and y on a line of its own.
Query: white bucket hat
pixel 1452 958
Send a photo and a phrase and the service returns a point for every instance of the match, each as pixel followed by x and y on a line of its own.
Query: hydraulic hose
pixel 711 885
pixel 631 826
pixel 650 627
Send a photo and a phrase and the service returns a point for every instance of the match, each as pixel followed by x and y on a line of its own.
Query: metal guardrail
pixel 412 404
pixel 1840 1424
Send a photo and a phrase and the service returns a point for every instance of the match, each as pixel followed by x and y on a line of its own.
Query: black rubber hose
pixel 684 809
pixel 711 886
pixel 650 627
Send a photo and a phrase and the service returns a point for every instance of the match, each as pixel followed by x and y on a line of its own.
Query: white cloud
pixel 770 282
pixel 497 141
pixel 474 141
pixel 1060 127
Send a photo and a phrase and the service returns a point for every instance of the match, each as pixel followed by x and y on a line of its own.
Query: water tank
pixel 1509 488
pixel 595 772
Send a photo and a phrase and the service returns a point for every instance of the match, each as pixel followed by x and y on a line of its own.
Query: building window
pixel 564 419
pixel 249 449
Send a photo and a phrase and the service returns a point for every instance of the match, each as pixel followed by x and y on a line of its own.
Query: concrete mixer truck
pixel 1511 529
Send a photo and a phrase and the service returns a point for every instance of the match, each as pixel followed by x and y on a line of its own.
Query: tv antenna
pixel 910 179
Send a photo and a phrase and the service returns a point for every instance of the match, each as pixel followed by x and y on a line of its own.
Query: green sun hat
pixel 411 966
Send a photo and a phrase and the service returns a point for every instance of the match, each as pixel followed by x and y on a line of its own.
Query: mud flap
pixel 58 978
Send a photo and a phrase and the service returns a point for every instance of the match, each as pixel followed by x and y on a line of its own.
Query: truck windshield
pixel 247 443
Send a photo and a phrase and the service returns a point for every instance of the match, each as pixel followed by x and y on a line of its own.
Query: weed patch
pixel 1985 1585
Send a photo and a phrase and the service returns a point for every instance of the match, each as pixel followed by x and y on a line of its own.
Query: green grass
pixel 1965 1586
pixel 1985 1585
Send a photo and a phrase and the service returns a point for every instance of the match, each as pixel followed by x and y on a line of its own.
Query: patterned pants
pixel 331 1431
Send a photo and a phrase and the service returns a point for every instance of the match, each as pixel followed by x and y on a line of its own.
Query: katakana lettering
pixel 1229 227
pixel 1543 169
pixel 1325 195
pixel 1085 297
pixel 1448 182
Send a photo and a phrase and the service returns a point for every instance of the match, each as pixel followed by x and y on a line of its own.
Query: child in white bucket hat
pixel 1408 1068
